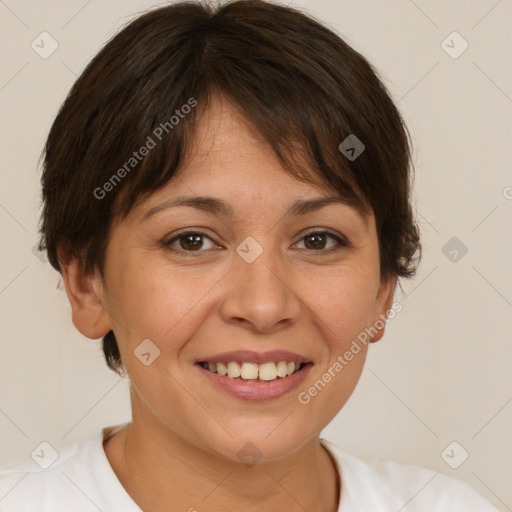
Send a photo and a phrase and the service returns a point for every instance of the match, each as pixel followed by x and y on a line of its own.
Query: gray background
pixel 442 373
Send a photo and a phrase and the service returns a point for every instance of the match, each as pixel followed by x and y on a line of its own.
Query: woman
pixel 227 196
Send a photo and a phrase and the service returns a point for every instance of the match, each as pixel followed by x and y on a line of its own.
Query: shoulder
pixel 77 477
pixel 48 479
pixel 375 484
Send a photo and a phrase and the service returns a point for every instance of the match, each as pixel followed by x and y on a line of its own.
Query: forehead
pixel 227 148
pixel 219 125
pixel 231 169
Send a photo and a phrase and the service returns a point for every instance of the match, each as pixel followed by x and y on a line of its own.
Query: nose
pixel 260 295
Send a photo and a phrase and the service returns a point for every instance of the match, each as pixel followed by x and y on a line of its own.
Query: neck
pixel 161 470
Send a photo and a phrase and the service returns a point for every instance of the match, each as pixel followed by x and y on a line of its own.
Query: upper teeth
pixel 252 371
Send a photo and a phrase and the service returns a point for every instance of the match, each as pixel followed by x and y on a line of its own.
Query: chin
pixel 268 441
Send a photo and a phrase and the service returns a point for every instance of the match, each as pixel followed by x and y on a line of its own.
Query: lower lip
pixel 257 390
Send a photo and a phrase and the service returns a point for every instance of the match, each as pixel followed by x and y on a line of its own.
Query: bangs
pixel 305 142
pixel 128 124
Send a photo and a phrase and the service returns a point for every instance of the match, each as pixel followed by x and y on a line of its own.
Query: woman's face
pixel 258 275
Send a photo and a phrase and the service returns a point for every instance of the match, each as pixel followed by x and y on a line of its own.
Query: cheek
pixel 342 308
pixel 341 314
pixel 343 304
pixel 161 302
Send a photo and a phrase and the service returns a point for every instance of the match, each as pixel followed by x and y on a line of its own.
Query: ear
pixel 85 294
pixel 383 303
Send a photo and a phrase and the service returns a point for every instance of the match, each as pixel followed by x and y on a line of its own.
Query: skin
pixel 186 431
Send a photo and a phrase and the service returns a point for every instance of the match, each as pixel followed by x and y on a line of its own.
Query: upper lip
pixel 249 356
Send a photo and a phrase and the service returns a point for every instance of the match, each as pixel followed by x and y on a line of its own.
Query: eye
pixel 318 241
pixel 190 241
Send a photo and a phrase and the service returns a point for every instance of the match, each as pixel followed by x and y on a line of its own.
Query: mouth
pixel 253 372
pixel 255 376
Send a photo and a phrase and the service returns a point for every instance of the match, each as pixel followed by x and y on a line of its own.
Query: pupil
pixel 316 238
pixel 192 242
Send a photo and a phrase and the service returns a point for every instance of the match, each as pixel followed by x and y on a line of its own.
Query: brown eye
pixel 190 241
pixel 315 241
pixel 319 241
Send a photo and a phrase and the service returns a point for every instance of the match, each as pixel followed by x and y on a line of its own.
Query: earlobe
pixel 85 294
pixel 383 304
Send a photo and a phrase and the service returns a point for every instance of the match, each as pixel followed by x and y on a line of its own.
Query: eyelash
pixel 341 243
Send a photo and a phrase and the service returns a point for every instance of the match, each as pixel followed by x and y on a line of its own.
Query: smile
pixel 246 371
pixel 255 381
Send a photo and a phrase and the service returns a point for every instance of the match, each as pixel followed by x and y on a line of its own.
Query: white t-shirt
pixel 80 479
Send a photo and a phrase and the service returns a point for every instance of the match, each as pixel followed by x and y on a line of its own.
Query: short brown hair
pixel 300 85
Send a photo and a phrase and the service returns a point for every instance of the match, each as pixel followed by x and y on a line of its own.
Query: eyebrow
pixel 217 206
